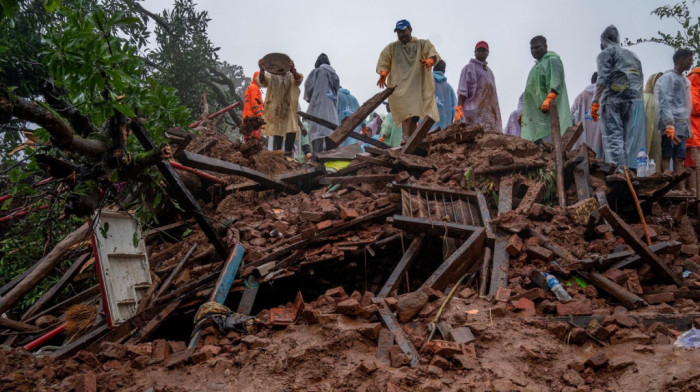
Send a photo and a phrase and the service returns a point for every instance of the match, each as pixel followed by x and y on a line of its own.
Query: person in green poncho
pixel 545 84
pixel 390 133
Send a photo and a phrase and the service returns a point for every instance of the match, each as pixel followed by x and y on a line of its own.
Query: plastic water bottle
pixel 642 163
pixel 651 170
pixel 556 287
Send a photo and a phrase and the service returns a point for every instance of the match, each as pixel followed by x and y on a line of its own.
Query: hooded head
pixel 651 82
pixel 255 78
pixel 440 66
pixel 610 36
pixel 322 59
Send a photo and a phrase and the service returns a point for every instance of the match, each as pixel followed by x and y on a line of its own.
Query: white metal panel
pixel 124 271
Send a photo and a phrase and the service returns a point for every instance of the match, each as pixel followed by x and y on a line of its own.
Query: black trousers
pixel 289 140
pixel 320 144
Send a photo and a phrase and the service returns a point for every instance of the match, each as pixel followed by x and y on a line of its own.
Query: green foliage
pixel 184 54
pixel 688 36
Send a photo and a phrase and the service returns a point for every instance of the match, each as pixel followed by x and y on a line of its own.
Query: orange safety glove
pixel 458 114
pixel 595 107
pixel 545 105
pixel 381 139
pixel 428 63
pixel 670 131
pixel 382 79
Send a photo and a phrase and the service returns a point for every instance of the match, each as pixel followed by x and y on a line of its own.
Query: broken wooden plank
pixel 558 152
pixel 534 194
pixel 301 243
pixel 166 284
pixel 47 265
pixel 406 260
pixel 17 325
pixel 186 200
pixel 355 119
pixel 434 190
pixel 251 284
pixel 360 179
pixel 353 135
pixel 582 177
pixel 301 175
pixel 630 300
pixel 659 193
pixel 242 187
pixel 382 161
pixel 571 136
pixel 147 330
pixel 390 323
pixel 219 166
pixel 459 263
pixel 83 296
pixel 501 259
pixel 484 212
pixel 432 227
pixel 485 273
pixel 515 167
pixel 57 287
pixel 624 231
pixel 418 135
pixel 622 260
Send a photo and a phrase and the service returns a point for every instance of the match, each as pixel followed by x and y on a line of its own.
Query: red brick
pixel 514 246
pixel 161 350
pixel 180 358
pixel 524 303
pixel 370 331
pixel 84 382
pixel 616 275
pixel 324 224
pixel 112 350
pixel 410 304
pixel 443 348
pixel 349 307
pixel 348 213
pixel 597 360
pixel 574 308
pixel 538 252
pixel 655 299
pixel 502 294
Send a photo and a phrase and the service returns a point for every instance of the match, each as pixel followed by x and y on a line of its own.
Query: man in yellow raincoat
pixel 405 65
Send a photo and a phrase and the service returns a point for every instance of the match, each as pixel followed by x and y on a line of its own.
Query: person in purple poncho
pixel 477 101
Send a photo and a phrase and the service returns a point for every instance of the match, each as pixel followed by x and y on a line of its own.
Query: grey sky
pixel 353 33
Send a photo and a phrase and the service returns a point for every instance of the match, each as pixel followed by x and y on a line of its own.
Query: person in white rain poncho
pixel 674 103
pixel 581 112
pixel 513 126
pixel 321 92
pixel 620 99
pixel 347 105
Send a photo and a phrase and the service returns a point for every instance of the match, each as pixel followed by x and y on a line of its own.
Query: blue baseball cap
pixel 403 24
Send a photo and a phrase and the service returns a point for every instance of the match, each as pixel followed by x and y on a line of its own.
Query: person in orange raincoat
pixel 693 145
pixel 253 103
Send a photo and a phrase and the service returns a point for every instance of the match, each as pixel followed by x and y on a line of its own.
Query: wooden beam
pixel 649 257
pixel 558 152
pixel 166 284
pixel 459 262
pixel 362 179
pixel 18 325
pixel 220 166
pixel 571 135
pixel 85 295
pixel 621 260
pixel 630 300
pixel 147 330
pixel 301 243
pixel 431 227
pixel 57 287
pixel 355 119
pixel 418 135
pixel 48 263
pixel 72 348
pixel 181 193
pixel 485 272
pixel 582 176
pixel 659 193
pixel 406 260
pixel 390 322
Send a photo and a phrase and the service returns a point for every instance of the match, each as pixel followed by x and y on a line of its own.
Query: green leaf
pixel 104 229
pixel 186 233
pixel 135 239
pixel 3 49
pixel 51 5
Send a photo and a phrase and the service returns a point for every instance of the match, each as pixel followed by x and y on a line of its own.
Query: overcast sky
pixel 353 33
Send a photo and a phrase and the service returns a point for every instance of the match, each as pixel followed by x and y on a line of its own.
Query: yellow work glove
pixel 458 114
pixel 545 105
pixel 595 107
pixel 382 79
pixel 428 63
pixel 670 131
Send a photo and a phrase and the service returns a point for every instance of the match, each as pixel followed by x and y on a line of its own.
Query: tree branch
pixel 156 18
pixel 222 98
pixel 82 124
pixel 61 132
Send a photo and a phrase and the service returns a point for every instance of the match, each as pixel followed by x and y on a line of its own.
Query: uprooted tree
pixel 72 79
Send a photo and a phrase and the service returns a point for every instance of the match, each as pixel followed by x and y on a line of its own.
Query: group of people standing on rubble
pixel 620 114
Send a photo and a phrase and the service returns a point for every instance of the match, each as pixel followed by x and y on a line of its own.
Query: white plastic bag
pixel 689 339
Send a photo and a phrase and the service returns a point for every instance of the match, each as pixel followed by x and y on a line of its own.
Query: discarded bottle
pixel 651 170
pixel 556 287
pixel 642 163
